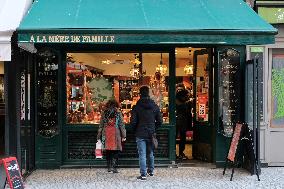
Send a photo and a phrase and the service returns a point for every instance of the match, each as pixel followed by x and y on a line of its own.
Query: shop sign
pixel 61 38
pixel 144 38
pixel 202 100
pixel 272 15
pixel 256 49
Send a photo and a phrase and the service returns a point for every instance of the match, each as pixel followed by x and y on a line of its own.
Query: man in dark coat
pixel 183 117
pixel 145 119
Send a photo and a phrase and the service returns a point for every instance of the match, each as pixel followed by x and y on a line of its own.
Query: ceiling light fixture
pixel 161 67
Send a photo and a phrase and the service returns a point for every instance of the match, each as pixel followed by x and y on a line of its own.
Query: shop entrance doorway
pixel 194 119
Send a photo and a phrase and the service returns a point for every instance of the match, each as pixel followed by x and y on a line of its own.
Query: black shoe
pixel 115 170
pixel 109 166
pixel 114 165
pixel 141 177
pixel 150 173
pixel 183 157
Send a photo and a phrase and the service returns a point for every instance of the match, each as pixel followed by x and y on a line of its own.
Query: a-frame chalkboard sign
pixel 3 177
pixel 13 174
pixel 241 139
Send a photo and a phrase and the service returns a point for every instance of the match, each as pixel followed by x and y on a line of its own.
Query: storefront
pixel 87 54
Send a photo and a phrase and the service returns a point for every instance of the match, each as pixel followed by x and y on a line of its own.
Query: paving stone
pixel 165 178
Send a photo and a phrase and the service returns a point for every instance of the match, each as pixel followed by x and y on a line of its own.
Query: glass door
pixel 193 128
pixel 202 129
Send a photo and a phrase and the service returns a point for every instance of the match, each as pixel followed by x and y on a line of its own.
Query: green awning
pixel 144 22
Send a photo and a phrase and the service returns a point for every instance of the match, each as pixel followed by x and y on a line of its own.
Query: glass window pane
pixel 202 88
pixel 94 78
pixel 156 74
pixel 277 97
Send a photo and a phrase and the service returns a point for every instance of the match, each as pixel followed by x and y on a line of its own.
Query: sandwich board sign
pixel 13 173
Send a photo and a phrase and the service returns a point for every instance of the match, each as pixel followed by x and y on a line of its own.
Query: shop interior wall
pixel 1 67
pixel 151 59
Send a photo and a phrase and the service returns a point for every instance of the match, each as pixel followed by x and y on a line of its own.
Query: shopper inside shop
pixel 183 117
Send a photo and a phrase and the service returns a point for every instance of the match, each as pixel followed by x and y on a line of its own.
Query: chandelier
pixel 134 72
pixel 188 69
pixel 161 68
pixel 136 60
pixel 107 61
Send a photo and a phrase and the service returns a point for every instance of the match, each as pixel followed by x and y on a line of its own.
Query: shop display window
pixel 94 78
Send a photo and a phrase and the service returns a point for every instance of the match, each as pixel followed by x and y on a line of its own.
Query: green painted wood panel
pixel 221 142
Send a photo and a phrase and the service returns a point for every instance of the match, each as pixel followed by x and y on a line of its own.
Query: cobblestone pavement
pixel 165 178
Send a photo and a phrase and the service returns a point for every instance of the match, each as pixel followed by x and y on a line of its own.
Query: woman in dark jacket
pixel 112 132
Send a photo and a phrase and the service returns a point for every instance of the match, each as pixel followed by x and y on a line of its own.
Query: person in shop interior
pixel 145 119
pixel 112 133
pixel 183 117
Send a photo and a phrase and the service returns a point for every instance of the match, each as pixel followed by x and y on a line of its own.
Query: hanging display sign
pixel 202 101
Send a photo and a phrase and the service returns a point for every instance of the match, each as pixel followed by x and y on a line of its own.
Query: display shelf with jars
pixel 80 106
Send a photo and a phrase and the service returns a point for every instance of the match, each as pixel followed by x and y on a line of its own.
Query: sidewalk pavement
pixel 165 178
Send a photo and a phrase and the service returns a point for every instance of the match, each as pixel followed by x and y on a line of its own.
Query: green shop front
pixel 80 54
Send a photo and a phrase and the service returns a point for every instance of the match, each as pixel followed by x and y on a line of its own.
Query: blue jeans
pixel 146 152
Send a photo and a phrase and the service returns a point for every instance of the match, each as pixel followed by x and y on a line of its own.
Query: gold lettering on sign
pixel 41 39
pixel 111 39
pixel 75 39
pixel 85 38
pixel 32 40
pixel 72 39
pixel 58 39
